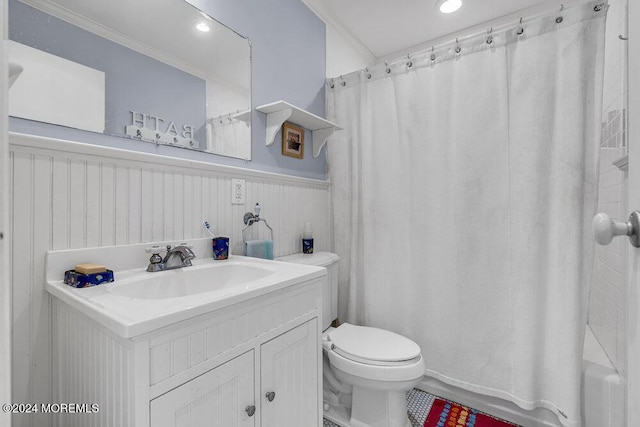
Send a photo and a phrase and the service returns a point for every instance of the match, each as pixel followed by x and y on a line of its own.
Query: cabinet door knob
pixel 250 410
pixel 270 395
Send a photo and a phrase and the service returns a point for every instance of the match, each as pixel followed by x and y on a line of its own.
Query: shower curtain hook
pixel 388 70
pixel 561 7
pixel 521 29
pixel 409 63
pixel 368 73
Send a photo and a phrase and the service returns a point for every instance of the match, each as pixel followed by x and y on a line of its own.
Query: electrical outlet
pixel 237 191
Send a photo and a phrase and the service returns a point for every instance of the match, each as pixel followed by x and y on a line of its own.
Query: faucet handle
pixel 155 249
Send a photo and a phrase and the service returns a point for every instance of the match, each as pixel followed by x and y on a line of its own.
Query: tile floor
pixel 418 406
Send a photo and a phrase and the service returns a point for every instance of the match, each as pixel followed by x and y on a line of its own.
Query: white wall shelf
pixel 281 111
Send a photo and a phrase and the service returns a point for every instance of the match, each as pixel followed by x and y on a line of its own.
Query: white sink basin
pixel 189 280
pixel 138 302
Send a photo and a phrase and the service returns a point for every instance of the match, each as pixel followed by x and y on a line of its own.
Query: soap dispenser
pixel 307 239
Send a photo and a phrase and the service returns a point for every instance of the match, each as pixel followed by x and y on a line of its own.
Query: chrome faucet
pixel 176 257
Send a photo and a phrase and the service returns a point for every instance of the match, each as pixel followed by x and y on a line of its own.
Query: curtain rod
pixel 457 40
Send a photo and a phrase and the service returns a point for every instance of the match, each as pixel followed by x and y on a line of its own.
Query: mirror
pixel 157 71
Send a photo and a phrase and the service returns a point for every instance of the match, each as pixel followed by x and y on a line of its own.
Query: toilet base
pixel 373 408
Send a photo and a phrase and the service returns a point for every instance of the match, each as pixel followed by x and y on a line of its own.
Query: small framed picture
pixel 292 140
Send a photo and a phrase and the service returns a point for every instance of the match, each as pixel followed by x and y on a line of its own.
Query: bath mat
pixel 448 414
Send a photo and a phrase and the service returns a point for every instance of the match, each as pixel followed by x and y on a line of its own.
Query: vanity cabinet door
pixel 289 378
pixel 221 397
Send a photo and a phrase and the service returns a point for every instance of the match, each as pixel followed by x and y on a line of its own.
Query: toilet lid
pixel 372 344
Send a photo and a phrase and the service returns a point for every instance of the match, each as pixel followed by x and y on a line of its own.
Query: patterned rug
pixel 449 414
pixel 422 406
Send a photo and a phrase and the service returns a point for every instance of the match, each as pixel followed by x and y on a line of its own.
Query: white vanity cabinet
pixel 209 370
pixel 288 382
pixel 216 398
pixel 286 394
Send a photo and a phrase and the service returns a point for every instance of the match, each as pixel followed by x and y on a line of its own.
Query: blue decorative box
pixel 78 280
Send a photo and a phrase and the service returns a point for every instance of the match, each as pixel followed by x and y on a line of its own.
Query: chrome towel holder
pixel 250 218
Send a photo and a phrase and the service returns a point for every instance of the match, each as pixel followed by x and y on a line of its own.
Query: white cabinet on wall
pixel 255 363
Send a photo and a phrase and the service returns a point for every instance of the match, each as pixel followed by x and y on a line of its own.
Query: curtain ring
pixel 521 29
pixel 559 19
pixel 598 7
pixel 388 70
pixel 458 49
pixel 368 73
pixel 489 39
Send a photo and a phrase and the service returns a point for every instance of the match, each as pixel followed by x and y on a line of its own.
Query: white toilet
pixel 366 371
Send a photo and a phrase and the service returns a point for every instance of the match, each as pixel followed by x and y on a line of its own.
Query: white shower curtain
pixel 463 189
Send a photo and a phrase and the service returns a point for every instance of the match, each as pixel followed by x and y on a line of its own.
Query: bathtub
pixel 602 395
pixel 602 390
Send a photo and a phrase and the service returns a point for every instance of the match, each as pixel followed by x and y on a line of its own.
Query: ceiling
pixel 390 26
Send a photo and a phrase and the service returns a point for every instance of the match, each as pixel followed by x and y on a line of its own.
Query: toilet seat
pixel 373 346
pixel 374 354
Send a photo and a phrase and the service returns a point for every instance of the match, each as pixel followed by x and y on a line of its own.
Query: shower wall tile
pixel 68 195
pixel 607 304
pixel 607 308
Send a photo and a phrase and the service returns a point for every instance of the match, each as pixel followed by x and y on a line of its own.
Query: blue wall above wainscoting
pixel 288 62
pixel 288 56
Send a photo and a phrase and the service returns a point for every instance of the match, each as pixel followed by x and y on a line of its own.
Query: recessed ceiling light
pixel 203 27
pixel 448 6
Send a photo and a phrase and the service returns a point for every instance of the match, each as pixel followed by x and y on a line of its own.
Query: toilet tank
pixel 330 290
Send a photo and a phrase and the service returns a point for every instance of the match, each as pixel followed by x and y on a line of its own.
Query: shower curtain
pixel 463 189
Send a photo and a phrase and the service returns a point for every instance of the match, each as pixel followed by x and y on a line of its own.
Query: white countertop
pixel 130 316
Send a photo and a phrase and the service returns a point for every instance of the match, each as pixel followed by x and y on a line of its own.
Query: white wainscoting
pixel 71 195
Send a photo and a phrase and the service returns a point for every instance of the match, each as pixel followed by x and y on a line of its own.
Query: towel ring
pixel 249 219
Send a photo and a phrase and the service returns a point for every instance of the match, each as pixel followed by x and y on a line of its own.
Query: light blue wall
pixel 288 62
pixel 288 57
